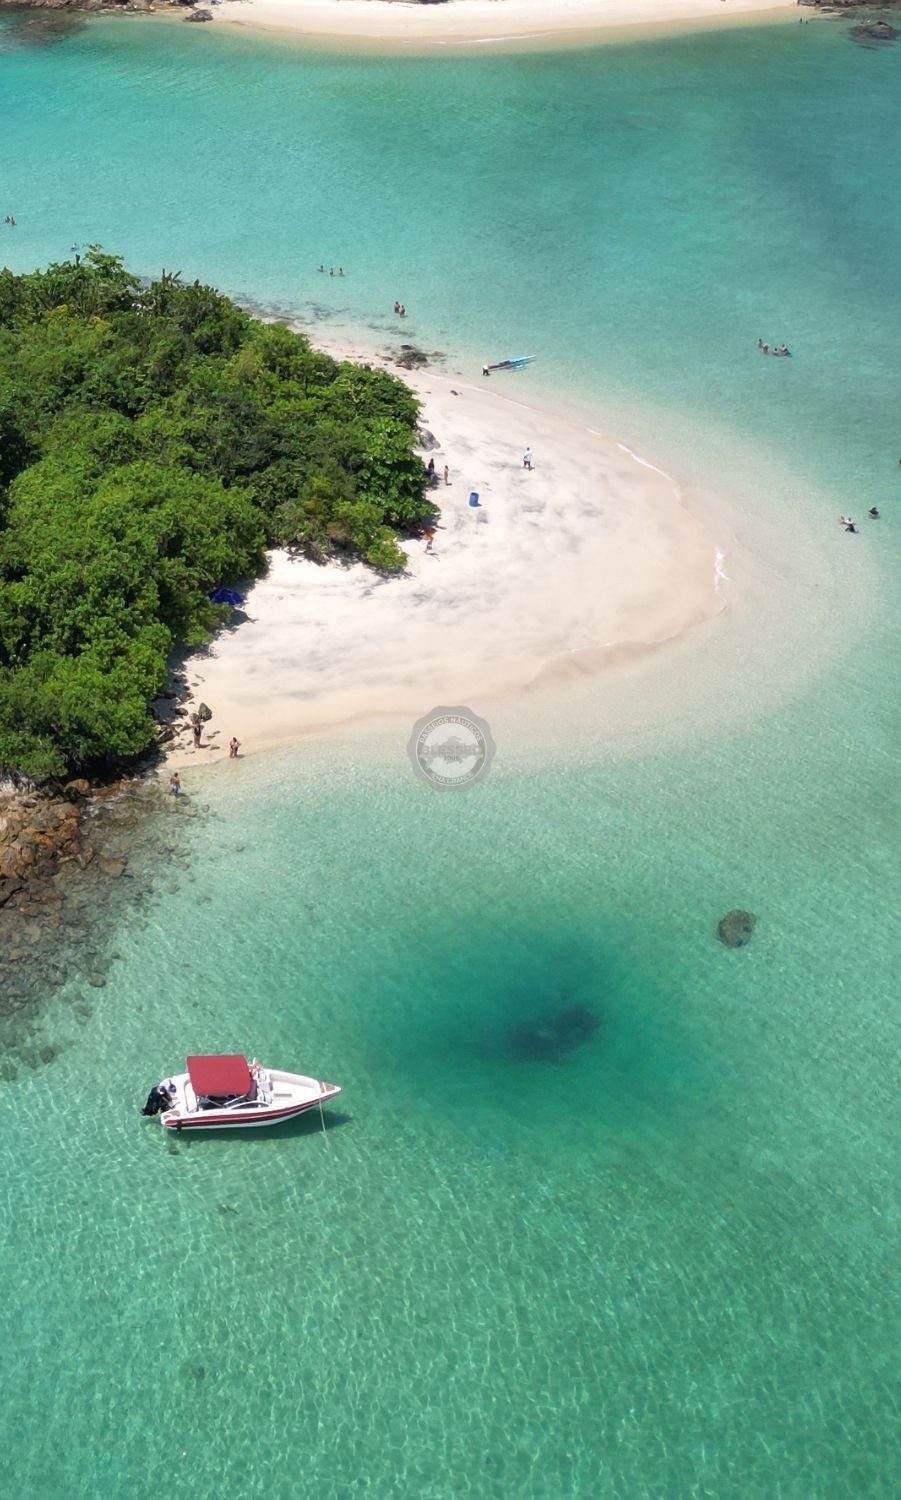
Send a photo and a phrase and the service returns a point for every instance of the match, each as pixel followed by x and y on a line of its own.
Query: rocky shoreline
pixel 111 7
pixel 73 863
pixel 45 21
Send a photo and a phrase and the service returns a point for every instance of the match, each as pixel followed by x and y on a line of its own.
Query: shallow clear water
pixel 665 1266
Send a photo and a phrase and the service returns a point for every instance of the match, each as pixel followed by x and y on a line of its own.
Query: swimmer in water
pixel 873 513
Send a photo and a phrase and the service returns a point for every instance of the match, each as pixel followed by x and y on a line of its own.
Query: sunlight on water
pixel 647 1258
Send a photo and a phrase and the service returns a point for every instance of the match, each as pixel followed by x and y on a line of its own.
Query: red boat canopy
pixel 218 1077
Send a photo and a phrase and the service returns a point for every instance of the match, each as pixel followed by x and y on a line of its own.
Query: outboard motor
pixel 157 1101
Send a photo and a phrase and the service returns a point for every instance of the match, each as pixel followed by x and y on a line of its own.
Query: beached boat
pixel 511 364
pixel 229 1093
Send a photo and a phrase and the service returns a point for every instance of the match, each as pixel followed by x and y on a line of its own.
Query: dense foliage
pixel 153 440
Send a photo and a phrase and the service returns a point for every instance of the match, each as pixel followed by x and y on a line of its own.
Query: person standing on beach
pixel 234 746
pixel 446 474
pixel 197 731
pixel 527 459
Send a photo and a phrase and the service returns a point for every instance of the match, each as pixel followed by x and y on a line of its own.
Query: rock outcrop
pixel 735 928
pixel 874 33
pixel 72 865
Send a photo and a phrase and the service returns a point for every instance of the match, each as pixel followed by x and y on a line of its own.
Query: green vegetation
pixel 153 440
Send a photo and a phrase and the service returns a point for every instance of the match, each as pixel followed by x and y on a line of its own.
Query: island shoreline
pixel 392 26
pixel 535 25
pixel 585 565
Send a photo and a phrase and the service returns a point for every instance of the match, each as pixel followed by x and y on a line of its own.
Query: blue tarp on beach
pixel 227 596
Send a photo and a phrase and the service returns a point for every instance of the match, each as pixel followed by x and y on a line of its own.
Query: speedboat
pixel 230 1093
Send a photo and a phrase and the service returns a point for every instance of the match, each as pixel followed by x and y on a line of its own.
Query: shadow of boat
pixel 309 1123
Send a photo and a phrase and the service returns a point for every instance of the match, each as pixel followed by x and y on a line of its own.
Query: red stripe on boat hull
pixel 243 1121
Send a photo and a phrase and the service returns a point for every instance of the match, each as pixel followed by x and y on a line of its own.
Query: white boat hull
pixel 281 1097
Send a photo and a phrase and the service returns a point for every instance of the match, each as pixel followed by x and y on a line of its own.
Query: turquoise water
pixel 665 1266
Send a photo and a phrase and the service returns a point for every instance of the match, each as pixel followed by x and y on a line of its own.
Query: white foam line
pixel 525 36
pixel 481 41
pixel 624 448
pixel 719 572
pixel 643 461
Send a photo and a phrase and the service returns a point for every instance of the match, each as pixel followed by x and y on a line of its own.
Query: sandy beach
pixel 468 22
pixel 588 557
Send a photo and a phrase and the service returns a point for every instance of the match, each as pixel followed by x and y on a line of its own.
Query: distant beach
pixel 590 555
pixel 472 21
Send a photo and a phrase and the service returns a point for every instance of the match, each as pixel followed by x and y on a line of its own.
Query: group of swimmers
pixel 782 349
pixel 848 524
pixel 332 271
pixel 9 220
pixel 400 308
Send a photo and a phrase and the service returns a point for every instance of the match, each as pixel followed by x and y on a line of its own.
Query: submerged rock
pixel 9 887
pixel 553 1037
pixel 735 928
pixel 874 31
pixel 409 357
pixel 62 859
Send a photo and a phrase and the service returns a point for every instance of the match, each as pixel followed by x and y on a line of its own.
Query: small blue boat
pixel 510 364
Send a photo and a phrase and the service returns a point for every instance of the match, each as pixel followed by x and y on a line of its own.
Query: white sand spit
pixel 585 558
